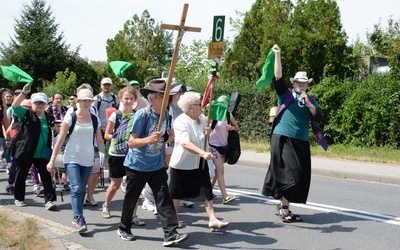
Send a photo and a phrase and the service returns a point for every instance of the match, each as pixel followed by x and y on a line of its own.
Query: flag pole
pixel 208 124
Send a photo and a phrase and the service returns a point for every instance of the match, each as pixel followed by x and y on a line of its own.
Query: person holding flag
pixel 289 174
pixel 219 141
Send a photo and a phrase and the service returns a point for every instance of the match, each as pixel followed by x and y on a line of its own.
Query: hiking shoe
pixel 10 189
pixel 80 226
pixel 125 235
pixel 148 205
pixel 50 206
pixel 174 239
pixel 38 190
pixel 20 203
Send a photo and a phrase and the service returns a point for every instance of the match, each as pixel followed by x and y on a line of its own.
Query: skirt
pixel 289 173
pixel 191 184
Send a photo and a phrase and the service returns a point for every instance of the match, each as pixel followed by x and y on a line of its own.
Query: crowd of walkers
pixel 166 161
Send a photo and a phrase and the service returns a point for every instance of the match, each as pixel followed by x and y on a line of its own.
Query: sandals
pixel 228 199
pixel 137 222
pixel 287 217
pixel 106 212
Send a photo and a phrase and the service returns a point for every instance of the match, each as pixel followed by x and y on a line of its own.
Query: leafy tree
pixel 37 48
pixel 64 83
pixel 143 43
pixel 318 43
pixel 386 43
pixel 193 65
pixel 40 50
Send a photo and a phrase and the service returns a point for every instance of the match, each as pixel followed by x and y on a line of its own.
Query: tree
pixel 144 44
pixel 37 47
pixel 264 25
pixel 386 43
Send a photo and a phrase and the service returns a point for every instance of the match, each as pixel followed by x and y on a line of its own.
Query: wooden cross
pixel 181 30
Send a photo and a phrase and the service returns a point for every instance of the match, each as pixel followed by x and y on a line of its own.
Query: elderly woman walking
pixel 32 144
pixel 189 178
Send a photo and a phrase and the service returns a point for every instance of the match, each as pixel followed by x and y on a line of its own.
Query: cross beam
pixel 181 29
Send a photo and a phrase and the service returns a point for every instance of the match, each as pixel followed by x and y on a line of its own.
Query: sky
pixel 90 23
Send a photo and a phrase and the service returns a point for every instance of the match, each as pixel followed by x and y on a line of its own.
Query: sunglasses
pixel 195 104
pixel 71 99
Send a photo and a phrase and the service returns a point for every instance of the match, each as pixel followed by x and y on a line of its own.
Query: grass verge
pixel 346 152
pixel 21 235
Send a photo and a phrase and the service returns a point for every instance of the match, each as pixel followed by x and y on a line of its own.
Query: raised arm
pixel 278 64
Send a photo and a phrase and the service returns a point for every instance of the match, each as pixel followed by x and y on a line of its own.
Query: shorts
pixel 116 166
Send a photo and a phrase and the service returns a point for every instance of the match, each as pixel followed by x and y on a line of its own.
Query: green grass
pixel 380 155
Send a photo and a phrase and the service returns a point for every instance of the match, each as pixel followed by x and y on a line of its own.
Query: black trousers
pixel 157 181
pixel 22 172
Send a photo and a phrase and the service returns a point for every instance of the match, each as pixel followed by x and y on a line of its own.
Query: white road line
pixel 322 207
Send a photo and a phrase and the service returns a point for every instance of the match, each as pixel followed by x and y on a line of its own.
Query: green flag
pixel 268 71
pixel 15 74
pixel 119 67
pixel 218 110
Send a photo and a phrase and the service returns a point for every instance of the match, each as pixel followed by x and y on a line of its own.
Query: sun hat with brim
pixel 39 97
pixel 175 87
pixel 85 94
pixel 157 85
pixel 301 76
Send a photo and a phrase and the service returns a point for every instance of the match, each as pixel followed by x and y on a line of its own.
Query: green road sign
pixel 218 29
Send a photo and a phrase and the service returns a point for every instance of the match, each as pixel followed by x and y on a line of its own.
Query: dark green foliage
pixel 40 50
pixel 144 44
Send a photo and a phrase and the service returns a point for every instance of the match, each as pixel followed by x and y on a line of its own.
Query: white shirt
pixel 80 148
pixel 186 129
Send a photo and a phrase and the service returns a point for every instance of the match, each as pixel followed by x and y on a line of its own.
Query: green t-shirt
pixel 294 122
pixel 20 111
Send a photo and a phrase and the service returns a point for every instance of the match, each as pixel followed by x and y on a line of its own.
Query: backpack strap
pixel 228 119
pixel 118 115
pixel 74 118
pixel 98 101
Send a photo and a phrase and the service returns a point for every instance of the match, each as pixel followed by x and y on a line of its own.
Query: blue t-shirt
pixel 294 122
pixel 143 159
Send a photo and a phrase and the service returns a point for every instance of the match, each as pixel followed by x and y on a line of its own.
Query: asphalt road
pixel 339 214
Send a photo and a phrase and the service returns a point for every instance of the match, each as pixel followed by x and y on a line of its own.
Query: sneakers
pixel 10 189
pixel 155 211
pixel 123 188
pixel 20 203
pixel 50 206
pixel 80 226
pixel 92 203
pixel 38 190
pixel 174 239
pixel 228 199
pixel 125 236
pixel 148 205
pixel 184 203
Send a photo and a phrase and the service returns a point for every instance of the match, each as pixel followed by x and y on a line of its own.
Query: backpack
pixel 122 131
pixel 71 128
pixel 232 151
pixel 114 100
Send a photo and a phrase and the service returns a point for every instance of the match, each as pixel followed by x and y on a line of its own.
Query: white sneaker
pixel 148 205
pixel 155 211
pixel 123 188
